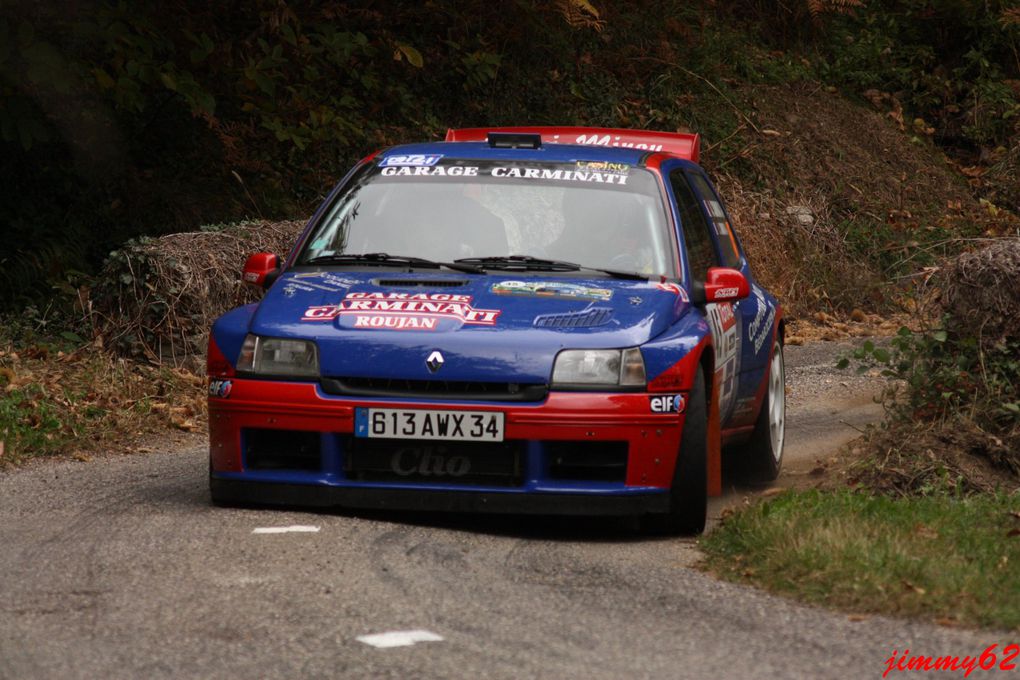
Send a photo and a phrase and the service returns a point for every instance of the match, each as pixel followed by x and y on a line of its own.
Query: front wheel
pixel 688 495
pixel 764 451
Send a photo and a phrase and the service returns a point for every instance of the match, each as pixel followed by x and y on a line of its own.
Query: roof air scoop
pixel 514 140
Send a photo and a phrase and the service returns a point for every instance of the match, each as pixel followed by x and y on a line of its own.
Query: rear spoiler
pixel 675 143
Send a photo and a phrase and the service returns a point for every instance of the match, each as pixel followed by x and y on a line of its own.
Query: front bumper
pixel 445 500
pixel 563 421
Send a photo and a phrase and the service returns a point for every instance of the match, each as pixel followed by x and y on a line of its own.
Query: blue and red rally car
pixel 530 320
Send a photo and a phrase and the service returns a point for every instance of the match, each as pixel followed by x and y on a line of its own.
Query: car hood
pixel 488 328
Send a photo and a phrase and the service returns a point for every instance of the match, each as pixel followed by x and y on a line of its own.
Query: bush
pixel 157 298
pixel 963 375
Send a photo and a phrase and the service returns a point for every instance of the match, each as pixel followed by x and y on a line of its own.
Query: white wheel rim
pixel 777 402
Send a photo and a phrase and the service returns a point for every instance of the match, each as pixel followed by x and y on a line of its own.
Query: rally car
pixel 527 320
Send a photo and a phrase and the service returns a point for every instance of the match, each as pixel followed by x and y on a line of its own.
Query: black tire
pixel 763 452
pixel 214 497
pixel 688 495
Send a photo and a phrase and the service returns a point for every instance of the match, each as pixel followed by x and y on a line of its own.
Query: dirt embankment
pixel 841 205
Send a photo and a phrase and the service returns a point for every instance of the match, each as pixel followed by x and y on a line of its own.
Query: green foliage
pixel 119 119
pixel 936 556
pixel 941 373
pixel 947 62
pixel 951 63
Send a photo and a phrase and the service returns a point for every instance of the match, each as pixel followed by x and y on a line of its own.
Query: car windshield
pixel 596 214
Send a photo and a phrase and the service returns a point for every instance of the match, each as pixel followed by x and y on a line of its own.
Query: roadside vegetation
pixel 60 395
pixel 926 520
pixel 942 557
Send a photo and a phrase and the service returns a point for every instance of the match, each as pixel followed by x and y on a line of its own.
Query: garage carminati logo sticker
pixel 402 311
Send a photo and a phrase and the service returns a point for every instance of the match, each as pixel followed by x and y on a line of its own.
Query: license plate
pixel 392 423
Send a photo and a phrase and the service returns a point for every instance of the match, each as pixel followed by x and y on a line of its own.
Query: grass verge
pixel 951 559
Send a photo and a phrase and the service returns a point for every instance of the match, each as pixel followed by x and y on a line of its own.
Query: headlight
pixel 278 356
pixel 599 367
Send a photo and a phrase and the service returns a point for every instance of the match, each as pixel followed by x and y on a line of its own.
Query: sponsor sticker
pixel 412 160
pixel 760 327
pixel 220 388
pixel 604 167
pixel 575 175
pixel 667 403
pixel 607 140
pixel 430 171
pixel 725 293
pixel 726 339
pixel 308 281
pixel 402 311
pixel 551 289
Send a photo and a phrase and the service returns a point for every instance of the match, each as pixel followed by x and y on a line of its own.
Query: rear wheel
pixel 688 496
pixel 764 451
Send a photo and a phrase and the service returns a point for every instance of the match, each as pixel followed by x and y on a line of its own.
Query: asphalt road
pixel 120 568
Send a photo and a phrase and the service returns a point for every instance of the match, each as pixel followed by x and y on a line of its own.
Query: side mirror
pixel 261 269
pixel 726 285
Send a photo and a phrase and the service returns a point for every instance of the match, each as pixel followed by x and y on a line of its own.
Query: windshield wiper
pixel 630 276
pixel 520 262
pixel 388 260
pixel 527 262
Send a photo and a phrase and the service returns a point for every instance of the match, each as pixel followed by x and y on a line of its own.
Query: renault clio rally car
pixel 527 320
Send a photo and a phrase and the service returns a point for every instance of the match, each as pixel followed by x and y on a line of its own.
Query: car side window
pixel 728 250
pixel 701 254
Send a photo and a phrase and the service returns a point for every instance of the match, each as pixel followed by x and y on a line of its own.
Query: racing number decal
pixel 726 342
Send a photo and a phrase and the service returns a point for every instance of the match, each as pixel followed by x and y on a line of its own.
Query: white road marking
pixel 399 638
pixel 297 528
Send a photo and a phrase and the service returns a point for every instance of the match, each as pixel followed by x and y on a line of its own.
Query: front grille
pixel 596 316
pixel 587 461
pixel 445 389
pixel 458 463
pixel 282 450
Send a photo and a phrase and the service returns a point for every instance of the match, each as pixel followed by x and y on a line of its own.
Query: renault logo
pixel 435 361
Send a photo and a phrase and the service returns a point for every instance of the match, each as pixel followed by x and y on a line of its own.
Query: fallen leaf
pixel 772 133
pixel 925 531
pixel 917 589
pixel 1012 532
pixel 946 621
pixel 82 457
pixel 774 491
pixel 897 116
pixel 186 424
pixel 1 448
